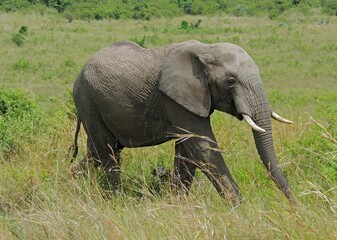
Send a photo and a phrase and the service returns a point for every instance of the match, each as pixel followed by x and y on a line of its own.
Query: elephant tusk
pixel 280 119
pixel 252 123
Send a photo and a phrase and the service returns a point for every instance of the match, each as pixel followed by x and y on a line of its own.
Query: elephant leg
pixel 206 156
pixel 214 167
pixel 104 149
pixel 199 143
pixel 184 169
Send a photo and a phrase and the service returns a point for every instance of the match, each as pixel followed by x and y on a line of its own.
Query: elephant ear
pixel 183 78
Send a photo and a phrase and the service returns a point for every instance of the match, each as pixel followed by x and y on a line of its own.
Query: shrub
pixel 273 14
pixel 115 14
pixel 239 11
pixel 189 7
pixel 23 29
pixel 18 39
pixel 140 12
pixel 21 64
pixel 141 42
pixel 19 120
pixel 60 5
pixel 69 17
pixel 12 5
pixel 330 7
pixel 185 25
pixel 144 10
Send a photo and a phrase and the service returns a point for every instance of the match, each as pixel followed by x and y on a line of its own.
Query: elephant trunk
pixel 255 105
pixel 265 147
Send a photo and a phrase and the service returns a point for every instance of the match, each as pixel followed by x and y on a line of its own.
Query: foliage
pixel 330 7
pixel 147 9
pixel 13 5
pixel 19 120
pixel 185 25
pixel 18 39
pixel 23 29
pixel 60 5
pixel 189 7
pixel 21 64
pixel 239 11
pixel 141 41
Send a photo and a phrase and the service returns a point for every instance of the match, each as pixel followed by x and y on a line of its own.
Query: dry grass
pixel 40 199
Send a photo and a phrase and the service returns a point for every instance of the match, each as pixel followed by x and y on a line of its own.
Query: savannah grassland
pixel 41 199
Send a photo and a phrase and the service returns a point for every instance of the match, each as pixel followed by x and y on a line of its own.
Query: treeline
pixel 147 9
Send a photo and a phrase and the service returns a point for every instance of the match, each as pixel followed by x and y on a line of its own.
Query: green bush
pixel 185 25
pixel 59 5
pixel 23 29
pixel 22 64
pixel 186 6
pixel 140 42
pixel 13 5
pixel 145 10
pixel 330 7
pixel 19 120
pixel 18 39
pixel 239 11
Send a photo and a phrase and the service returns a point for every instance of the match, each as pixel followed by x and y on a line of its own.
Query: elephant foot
pixel 109 180
pixel 227 189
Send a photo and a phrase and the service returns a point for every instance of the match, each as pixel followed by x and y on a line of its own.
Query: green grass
pixel 40 199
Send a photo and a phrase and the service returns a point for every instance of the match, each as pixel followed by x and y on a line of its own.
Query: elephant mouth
pixel 241 112
pixel 231 107
pixel 237 115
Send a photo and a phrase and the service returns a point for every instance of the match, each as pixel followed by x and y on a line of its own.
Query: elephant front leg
pixel 184 169
pixel 210 161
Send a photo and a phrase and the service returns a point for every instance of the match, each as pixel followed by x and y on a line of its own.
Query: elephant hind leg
pixel 104 150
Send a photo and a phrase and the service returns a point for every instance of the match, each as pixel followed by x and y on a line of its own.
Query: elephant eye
pixel 230 82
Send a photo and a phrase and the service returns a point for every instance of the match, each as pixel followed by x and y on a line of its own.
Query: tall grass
pixel 41 199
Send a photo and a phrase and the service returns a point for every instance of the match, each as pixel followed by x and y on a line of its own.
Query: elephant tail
pixel 74 147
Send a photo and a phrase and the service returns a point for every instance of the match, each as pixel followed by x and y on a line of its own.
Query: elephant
pixel 130 96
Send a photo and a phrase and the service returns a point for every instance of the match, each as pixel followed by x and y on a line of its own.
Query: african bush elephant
pixel 128 96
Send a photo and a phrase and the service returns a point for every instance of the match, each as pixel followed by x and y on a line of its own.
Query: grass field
pixel 40 199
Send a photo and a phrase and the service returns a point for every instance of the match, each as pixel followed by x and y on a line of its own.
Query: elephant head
pixel 224 77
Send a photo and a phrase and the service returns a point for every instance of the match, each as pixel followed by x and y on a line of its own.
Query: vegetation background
pixel 44 45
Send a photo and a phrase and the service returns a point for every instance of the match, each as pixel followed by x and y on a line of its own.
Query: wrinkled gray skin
pixel 128 96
